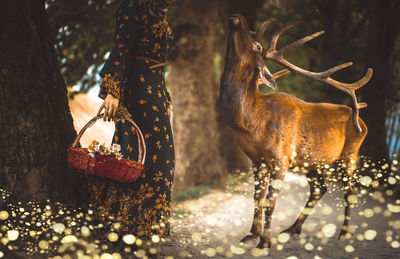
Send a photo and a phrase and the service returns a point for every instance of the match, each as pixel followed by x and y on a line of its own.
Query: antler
pixel 277 55
pixel 263 27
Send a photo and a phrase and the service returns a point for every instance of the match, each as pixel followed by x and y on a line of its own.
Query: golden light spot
pixel 329 230
pixel 4 215
pixel 196 237
pixel 349 249
pixel 256 252
pixel 113 237
pixel 155 239
pixel 393 208
pixel 370 234
pixel 326 210
pixel 129 239
pixel 237 250
pixel 12 235
pixel 43 244
pixel 395 244
pixel 307 211
pixel 58 228
pixel 309 246
pixel 368 213
pixel 210 252
pixel 392 180
pixel 365 181
pixel 377 209
pixel 4 241
pixel 277 183
pixel 116 256
pixel 106 256
pixel 283 237
pixel 69 239
pixel 360 237
pixel 85 231
pixel 352 199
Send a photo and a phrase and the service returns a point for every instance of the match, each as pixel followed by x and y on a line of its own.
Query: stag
pixel 279 131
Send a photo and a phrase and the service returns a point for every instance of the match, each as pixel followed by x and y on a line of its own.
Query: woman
pixel 133 76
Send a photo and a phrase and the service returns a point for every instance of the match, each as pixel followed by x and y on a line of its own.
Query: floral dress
pixel 134 73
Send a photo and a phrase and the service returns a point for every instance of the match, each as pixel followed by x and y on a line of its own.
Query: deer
pixel 279 131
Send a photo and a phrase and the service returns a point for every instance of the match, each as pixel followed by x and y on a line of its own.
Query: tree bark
pixel 194 95
pixel 35 121
pixel 382 33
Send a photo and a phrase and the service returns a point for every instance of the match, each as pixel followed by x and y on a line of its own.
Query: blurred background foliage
pixel 84 34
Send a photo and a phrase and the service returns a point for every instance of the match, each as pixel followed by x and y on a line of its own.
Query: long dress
pixel 134 73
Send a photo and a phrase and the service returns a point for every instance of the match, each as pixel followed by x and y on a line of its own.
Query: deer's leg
pixel 317 190
pixel 260 191
pixel 347 179
pixel 275 184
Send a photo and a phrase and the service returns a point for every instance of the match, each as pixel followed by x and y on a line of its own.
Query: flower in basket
pixel 101 149
pixel 115 148
pixel 93 145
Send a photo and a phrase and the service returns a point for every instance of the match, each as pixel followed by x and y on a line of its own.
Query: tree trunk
pixel 382 33
pixel 36 125
pixel 194 95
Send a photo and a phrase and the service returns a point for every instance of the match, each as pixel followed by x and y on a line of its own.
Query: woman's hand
pixel 110 106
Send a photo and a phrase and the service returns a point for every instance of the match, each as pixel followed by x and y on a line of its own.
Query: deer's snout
pixel 236 21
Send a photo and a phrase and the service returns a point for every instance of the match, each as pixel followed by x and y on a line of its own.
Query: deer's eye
pixel 257 47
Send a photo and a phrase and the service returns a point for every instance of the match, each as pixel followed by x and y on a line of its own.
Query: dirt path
pixel 215 223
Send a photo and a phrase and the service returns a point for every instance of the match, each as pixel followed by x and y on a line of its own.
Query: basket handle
pixel 142 145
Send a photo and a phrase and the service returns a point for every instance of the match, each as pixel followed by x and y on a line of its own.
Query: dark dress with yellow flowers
pixel 134 73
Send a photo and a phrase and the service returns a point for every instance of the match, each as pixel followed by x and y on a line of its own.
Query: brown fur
pixel 282 131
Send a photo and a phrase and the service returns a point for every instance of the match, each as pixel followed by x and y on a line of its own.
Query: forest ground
pixel 213 225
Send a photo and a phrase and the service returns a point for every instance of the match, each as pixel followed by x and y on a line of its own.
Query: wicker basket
pixel 108 166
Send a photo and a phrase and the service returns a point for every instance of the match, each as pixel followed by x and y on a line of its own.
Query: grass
pixel 180 213
pixel 236 179
pixel 196 192
pixel 190 193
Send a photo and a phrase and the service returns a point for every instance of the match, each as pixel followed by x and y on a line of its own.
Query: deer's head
pixel 245 50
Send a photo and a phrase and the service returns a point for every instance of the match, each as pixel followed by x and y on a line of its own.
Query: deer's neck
pixel 239 98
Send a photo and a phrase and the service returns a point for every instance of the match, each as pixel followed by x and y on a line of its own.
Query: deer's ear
pixel 266 77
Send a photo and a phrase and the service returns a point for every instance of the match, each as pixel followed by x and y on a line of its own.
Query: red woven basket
pixel 107 166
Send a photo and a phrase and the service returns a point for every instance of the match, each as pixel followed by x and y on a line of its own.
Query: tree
pixel 194 92
pixel 84 32
pixel 382 33
pixel 36 125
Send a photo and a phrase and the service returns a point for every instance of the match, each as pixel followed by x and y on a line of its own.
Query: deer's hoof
pixel 265 243
pixel 344 235
pixel 293 230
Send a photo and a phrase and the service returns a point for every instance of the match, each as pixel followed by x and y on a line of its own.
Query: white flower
pixel 116 148
pixel 107 151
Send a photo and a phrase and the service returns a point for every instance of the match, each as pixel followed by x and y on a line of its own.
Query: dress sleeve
pixel 113 72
